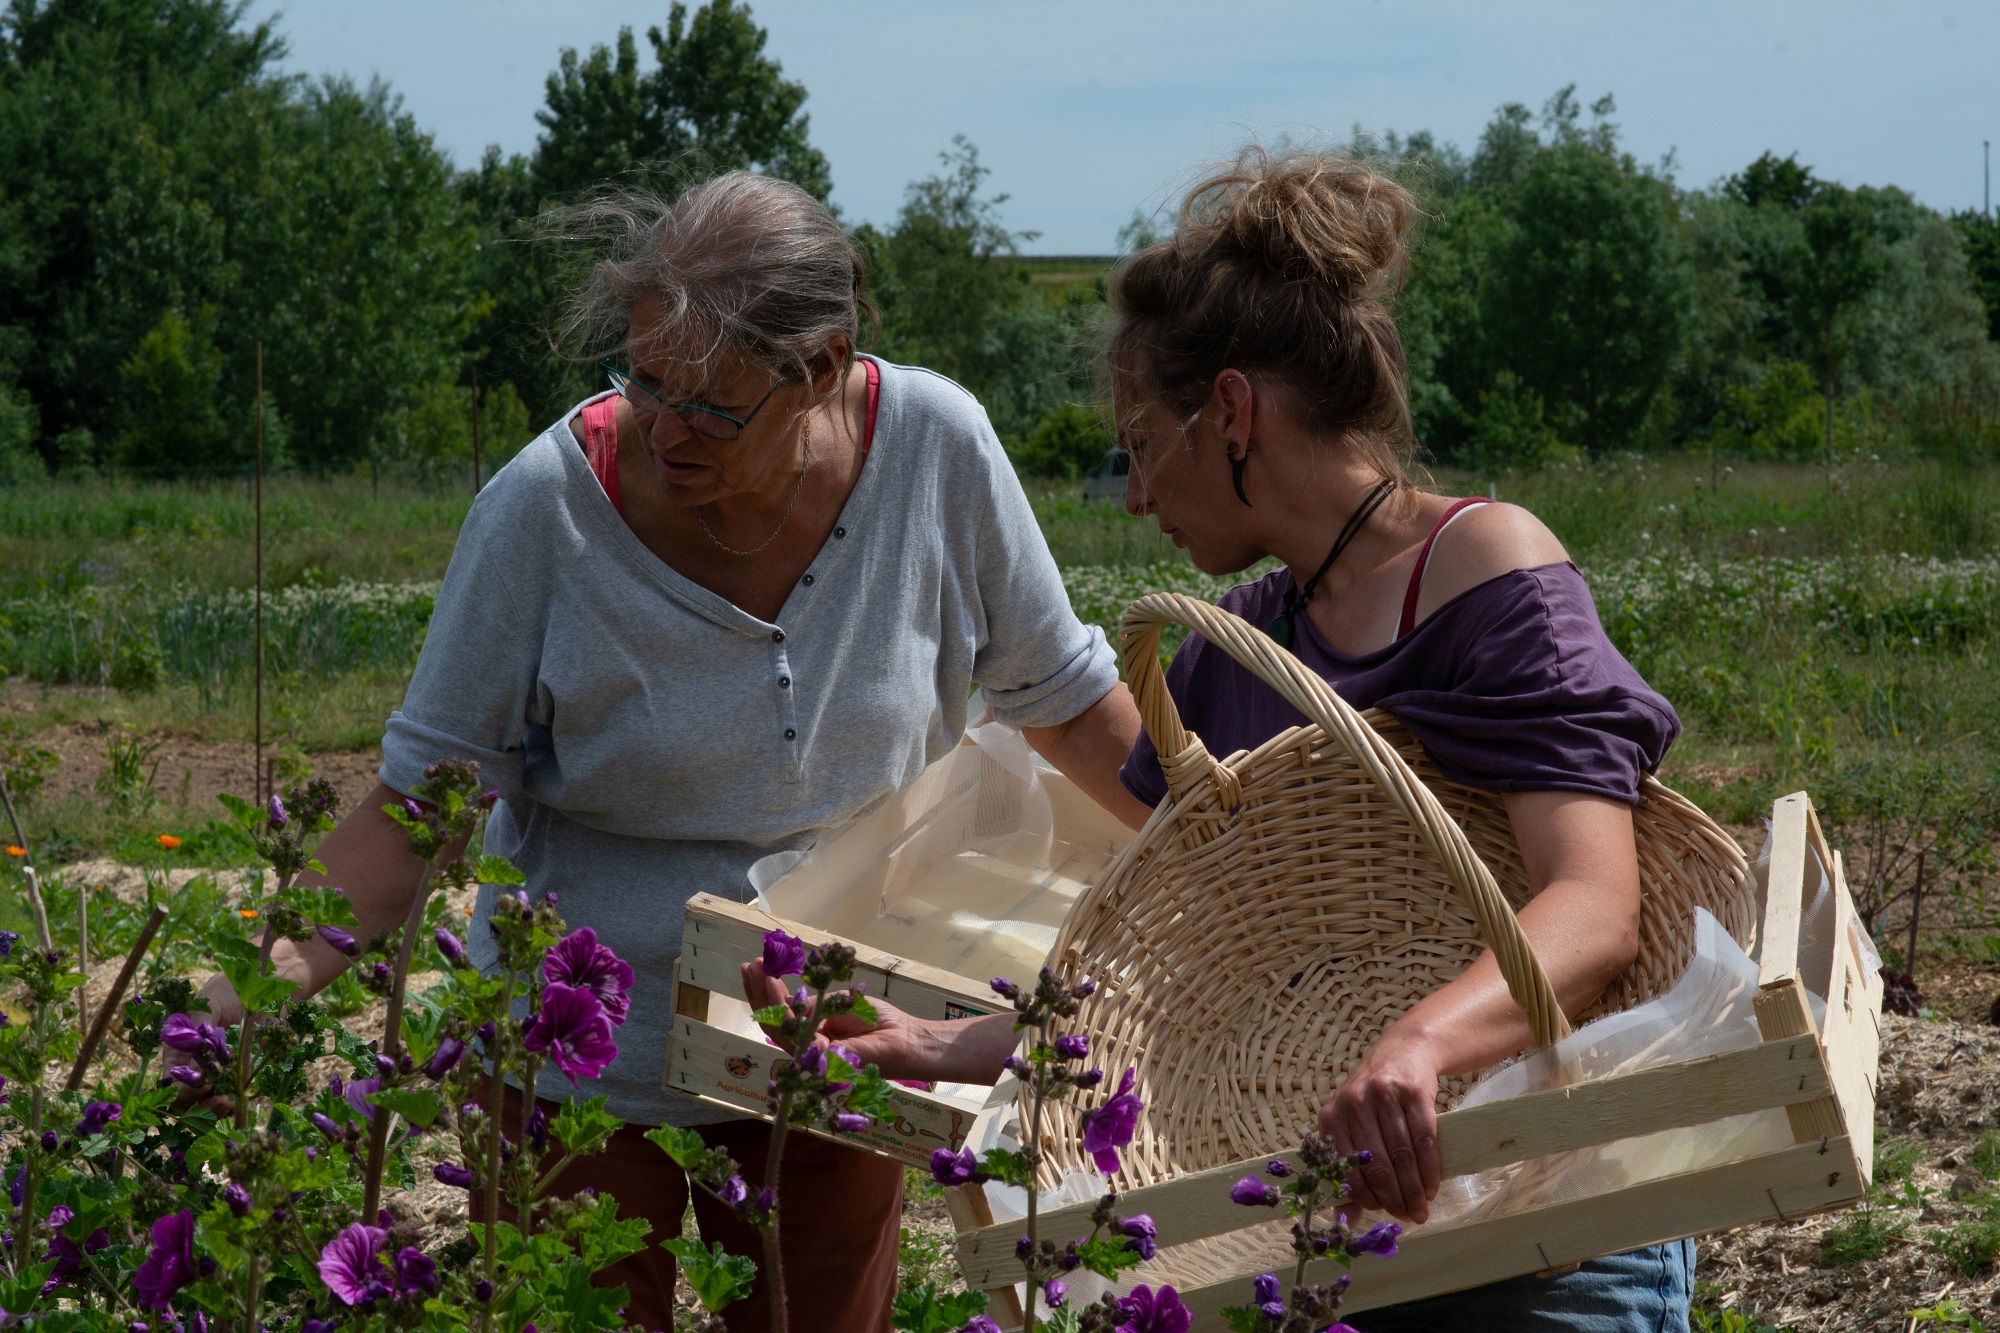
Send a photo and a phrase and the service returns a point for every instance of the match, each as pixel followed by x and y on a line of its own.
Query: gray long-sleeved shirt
pixel 650 740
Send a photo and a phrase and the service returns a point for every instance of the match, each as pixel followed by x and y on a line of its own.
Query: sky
pixel 1086 110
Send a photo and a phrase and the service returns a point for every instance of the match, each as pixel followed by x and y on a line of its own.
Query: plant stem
pixel 114 999
pixel 269 942
pixel 1033 1156
pixel 496 1106
pixel 1305 1246
pixel 392 1046
pixel 527 1113
pixel 774 1263
pixel 24 1223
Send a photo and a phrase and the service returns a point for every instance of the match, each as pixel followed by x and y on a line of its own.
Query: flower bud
pixel 234 1194
pixel 448 944
pixel 1072 1046
pixel 451 1173
pixel 482 1291
pixel 276 811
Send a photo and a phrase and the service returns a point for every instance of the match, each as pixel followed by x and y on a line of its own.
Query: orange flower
pixel 468 911
pixel 168 841
pixel 12 850
pixel 247 914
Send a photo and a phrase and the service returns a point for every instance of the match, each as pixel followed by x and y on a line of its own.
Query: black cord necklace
pixel 1282 628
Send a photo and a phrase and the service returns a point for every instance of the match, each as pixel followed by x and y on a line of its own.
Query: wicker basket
pixel 1283 906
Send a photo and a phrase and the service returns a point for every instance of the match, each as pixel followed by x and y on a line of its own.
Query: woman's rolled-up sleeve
pixel 475 681
pixel 1037 663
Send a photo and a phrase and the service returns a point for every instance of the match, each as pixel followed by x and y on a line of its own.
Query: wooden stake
pixel 1916 911
pixel 257 688
pixel 28 869
pixel 115 998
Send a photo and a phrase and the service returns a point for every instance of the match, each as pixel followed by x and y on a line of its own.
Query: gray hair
pixel 746 265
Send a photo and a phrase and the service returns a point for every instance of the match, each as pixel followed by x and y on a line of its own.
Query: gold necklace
pixel 797 491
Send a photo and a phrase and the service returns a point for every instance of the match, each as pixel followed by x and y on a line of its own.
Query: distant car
pixel 1107 480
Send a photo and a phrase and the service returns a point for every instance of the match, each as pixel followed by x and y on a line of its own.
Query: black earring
pixel 1236 466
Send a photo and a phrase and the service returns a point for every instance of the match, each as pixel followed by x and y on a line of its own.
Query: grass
pixel 1828 630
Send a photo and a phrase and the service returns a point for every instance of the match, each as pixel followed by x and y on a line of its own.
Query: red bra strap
pixel 1409 620
pixel 874 401
pixel 600 444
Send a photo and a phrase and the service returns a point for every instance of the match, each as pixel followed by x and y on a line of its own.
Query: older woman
pixel 705 617
pixel 1259 384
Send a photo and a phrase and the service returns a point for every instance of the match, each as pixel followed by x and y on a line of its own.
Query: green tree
pixel 1981 236
pixel 167 396
pixel 1839 263
pixel 1588 297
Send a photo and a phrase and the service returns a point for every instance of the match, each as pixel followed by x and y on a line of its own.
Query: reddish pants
pixel 840 1225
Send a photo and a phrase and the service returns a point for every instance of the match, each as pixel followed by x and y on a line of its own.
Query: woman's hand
pixel 965 1050
pixel 1388 1108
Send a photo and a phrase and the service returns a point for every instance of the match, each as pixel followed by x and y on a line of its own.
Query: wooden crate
pixel 1823 1075
pixel 716 1054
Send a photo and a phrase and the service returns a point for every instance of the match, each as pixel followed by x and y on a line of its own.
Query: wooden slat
pixel 1783 1012
pixel 1803 1179
pixel 1689 1092
pixel 720 936
pixel 1853 1036
pixel 731 1070
pixel 1784 892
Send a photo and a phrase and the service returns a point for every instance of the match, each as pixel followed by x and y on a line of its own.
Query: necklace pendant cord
pixel 797 491
pixel 1282 628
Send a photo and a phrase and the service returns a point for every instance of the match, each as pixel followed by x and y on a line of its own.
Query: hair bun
pixel 1308 218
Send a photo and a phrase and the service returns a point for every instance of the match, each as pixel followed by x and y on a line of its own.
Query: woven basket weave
pixel 1285 905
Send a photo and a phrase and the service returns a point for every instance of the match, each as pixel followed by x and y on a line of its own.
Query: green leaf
pixel 600 1236
pixel 1006 1166
pixel 863 1010
pixel 582 1127
pixel 1108 1257
pixel 871 1094
pixel 419 1106
pixel 683 1145
pixel 1242 1318
pixel 1065 1320
pixel 246 814
pixel 922 1310
pixel 771 1015
pixel 499 870
pixel 717 1278
pixel 321 904
pixel 259 993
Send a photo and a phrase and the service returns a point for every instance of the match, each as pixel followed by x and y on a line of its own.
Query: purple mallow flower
pixel 8 939
pixel 237 1198
pixel 1142 1237
pixel 96 1115
pixel 575 1031
pixel 980 1323
pixel 1109 1127
pixel 449 1052
pixel 1379 1240
pixel 324 1124
pixel 784 954
pixel 1277 1166
pixel 450 946
pixel 850 1122
pixel 1072 1046
pixel 1055 1291
pixel 1150 1311
pixel 579 960
pixel 276 811
pixel 204 1041
pixel 187 1074
pixel 733 1191
pixel 1252 1192
pixel 415 1270
pixel 357 1093
pixel 954 1168
pixel 351 1264
pixel 170 1265
pixel 454 1175
pixel 339 940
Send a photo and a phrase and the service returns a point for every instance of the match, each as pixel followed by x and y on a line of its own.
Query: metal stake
pixel 1916 910
pixel 257 688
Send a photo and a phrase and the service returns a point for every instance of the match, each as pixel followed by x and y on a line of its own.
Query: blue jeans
pixel 1646 1291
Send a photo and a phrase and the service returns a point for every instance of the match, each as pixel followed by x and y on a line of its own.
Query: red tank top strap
pixel 1409 620
pixel 600 444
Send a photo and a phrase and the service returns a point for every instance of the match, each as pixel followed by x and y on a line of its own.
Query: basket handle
pixel 1186 762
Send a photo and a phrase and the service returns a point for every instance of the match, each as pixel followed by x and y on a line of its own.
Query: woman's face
pixel 693 468
pixel 1180 475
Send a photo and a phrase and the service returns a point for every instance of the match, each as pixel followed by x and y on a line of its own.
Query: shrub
pixel 1067 443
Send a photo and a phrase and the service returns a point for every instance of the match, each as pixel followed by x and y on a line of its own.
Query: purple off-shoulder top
pixel 1510 686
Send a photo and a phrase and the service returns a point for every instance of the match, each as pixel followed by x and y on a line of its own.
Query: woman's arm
pixel 369 858
pixel 1091 747
pixel 1584 925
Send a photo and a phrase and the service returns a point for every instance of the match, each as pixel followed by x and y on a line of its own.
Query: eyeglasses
pixel 700 418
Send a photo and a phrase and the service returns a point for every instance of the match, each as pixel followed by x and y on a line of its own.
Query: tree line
pixel 170 200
